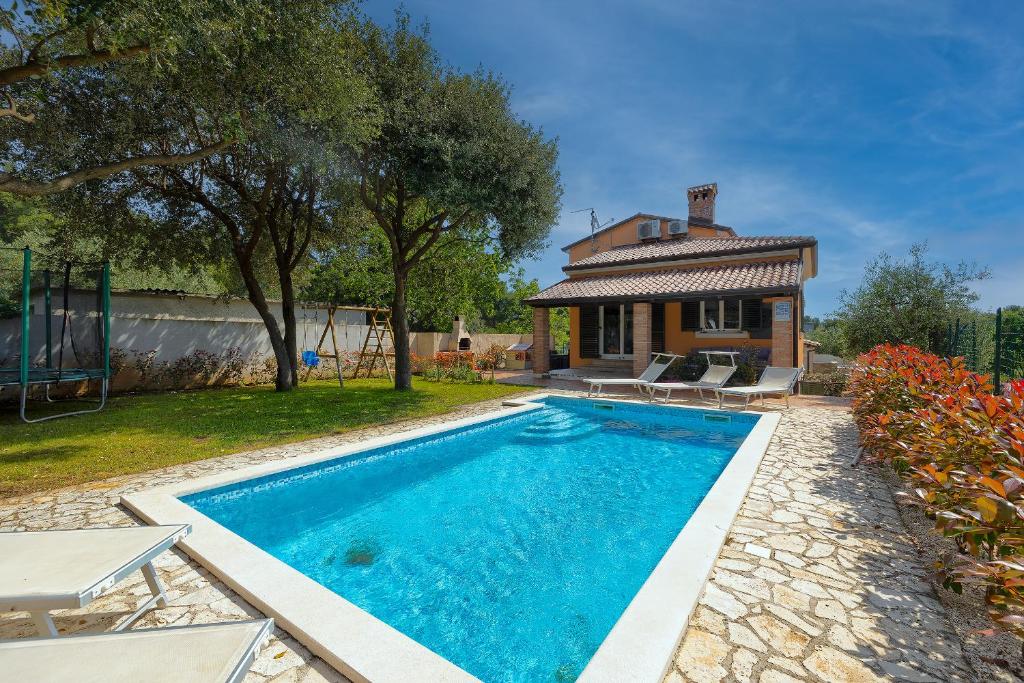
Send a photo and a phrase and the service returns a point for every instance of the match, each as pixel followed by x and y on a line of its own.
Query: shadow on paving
pixel 819 579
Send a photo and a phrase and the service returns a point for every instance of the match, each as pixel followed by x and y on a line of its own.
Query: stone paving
pixel 817 582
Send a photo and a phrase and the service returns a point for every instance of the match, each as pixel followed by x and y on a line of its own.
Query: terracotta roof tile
pixel 688 248
pixel 673 283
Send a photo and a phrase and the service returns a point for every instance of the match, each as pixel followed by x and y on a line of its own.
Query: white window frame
pixel 719 316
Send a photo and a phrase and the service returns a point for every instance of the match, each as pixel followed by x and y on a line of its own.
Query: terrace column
pixel 641 338
pixel 782 332
pixel 541 341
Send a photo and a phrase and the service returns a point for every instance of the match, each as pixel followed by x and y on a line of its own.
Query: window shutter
pixel 691 315
pixel 589 322
pixel 658 327
pixel 752 314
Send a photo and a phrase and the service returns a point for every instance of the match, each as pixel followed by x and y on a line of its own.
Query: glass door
pixel 616 331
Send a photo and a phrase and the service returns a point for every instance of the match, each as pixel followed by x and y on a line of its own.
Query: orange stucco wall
pixel 677 340
pixel 624 234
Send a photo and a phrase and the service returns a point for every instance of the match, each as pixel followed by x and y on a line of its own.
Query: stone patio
pixel 818 579
pixel 817 582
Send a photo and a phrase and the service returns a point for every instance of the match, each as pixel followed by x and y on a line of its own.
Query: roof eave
pixel 691 257
pixel 671 296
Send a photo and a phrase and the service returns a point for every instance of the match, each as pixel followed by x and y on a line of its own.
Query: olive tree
pixel 450 160
pixel 45 45
pixel 907 301
pixel 282 90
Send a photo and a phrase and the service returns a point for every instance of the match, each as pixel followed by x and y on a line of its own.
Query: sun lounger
pixel 653 372
pixel 48 570
pixel 714 378
pixel 773 382
pixel 209 653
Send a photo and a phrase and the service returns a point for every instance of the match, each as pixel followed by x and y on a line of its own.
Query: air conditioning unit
pixel 677 228
pixel 648 230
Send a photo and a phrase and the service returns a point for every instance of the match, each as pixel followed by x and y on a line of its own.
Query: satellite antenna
pixel 595 226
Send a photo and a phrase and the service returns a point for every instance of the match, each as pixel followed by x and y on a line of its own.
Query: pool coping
pixel 639 647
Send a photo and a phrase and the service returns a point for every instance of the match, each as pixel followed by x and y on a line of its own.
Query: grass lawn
pixel 145 432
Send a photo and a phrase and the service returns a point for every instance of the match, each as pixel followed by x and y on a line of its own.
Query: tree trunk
pixel 400 325
pixel 290 327
pixel 283 380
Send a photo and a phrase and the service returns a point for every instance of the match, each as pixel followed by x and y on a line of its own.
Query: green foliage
pixel 907 301
pixel 53 53
pixel 831 335
pixel 450 160
pixel 461 278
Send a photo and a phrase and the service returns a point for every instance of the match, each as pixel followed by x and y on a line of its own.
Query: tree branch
pixel 11 110
pixel 30 188
pixel 16 74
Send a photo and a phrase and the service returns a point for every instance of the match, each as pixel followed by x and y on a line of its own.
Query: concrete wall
pixel 173 326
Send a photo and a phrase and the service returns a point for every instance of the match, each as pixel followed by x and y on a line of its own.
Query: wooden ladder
pixel 380 329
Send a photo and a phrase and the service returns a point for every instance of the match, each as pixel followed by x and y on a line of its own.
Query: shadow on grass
pixel 142 432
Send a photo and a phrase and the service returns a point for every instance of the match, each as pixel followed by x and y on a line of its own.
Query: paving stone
pixel 788 597
pixel 830 665
pixel 702 656
pixel 776 676
pixel 744 637
pixel 779 635
pixel 758 550
pixel 743 663
pixel 726 603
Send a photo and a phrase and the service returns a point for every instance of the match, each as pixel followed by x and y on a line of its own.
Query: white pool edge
pixel 643 642
pixel 639 647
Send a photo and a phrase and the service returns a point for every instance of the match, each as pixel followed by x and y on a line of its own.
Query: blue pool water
pixel 511 547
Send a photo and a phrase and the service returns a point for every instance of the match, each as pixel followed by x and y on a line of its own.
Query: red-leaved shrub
pixel 962 450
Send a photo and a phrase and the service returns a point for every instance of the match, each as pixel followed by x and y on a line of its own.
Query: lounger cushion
pixel 197 654
pixel 51 566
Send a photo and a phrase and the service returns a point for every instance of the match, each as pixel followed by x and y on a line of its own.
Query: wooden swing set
pixel 374 346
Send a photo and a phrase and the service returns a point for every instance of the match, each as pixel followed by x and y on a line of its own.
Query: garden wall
pixel 177 339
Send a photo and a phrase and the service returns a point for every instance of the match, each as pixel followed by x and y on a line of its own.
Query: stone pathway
pixel 818 581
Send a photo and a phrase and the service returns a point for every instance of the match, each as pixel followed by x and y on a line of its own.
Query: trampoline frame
pixel 48 376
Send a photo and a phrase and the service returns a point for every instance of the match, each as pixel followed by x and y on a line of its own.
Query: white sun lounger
pixel 773 381
pixel 209 653
pixel 658 365
pixel 48 570
pixel 713 378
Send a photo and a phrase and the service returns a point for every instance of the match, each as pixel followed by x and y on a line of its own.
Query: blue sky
pixel 870 125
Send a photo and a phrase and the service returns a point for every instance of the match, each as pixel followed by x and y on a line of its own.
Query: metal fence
pixel 962 340
pixel 1008 363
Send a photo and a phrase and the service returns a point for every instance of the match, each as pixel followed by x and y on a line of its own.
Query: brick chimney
pixel 701 199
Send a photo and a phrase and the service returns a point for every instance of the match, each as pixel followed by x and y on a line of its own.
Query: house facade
pixel 652 284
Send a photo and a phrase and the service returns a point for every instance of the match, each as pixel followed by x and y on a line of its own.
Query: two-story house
pixel 651 283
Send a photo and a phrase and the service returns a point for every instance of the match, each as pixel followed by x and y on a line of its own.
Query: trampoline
pixel 59 330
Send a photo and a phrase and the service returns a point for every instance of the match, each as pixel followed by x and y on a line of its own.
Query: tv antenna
pixel 595 226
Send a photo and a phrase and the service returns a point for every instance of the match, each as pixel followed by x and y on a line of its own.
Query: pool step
pixel 558 431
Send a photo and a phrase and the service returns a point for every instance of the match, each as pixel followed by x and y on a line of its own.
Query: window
pixel 723 315
pixel 730 314
pixel 711 315
pixel 720 315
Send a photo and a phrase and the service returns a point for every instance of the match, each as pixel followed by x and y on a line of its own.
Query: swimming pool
pixel 510 546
